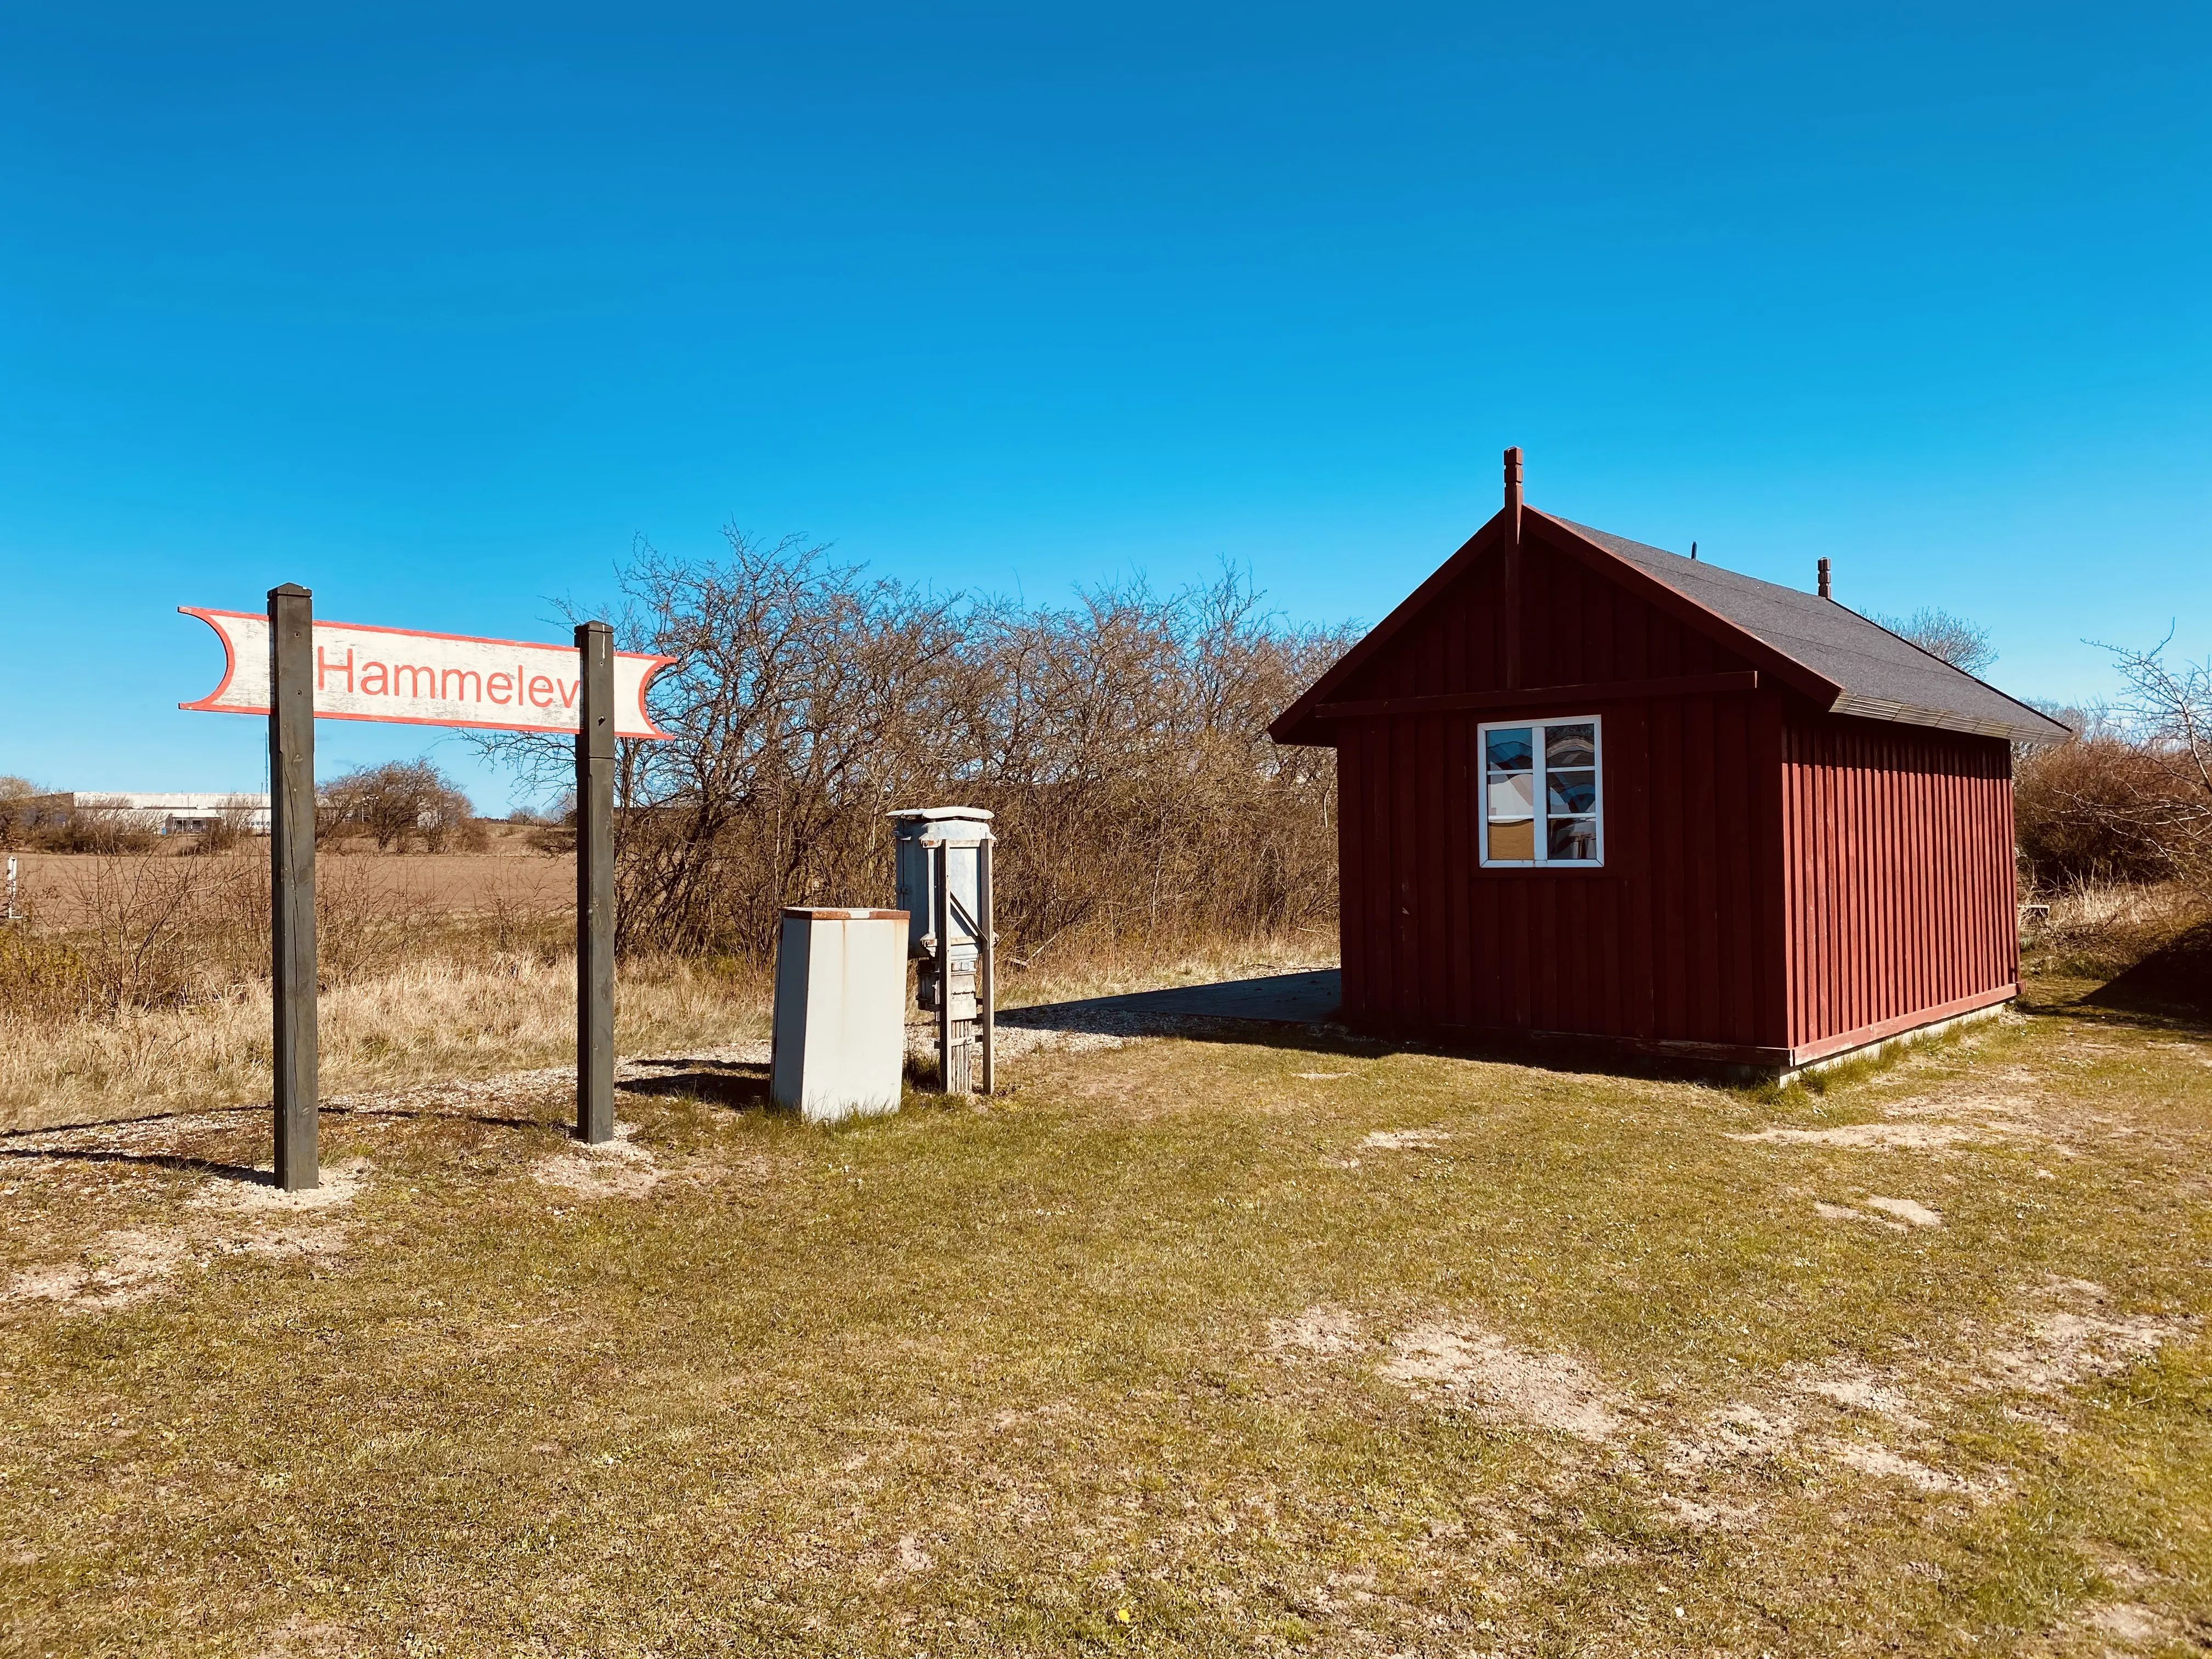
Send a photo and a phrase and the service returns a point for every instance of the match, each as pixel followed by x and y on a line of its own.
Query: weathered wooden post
pixel 292 882
pixel 595 886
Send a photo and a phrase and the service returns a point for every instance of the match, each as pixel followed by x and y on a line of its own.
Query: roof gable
pixel 1842 661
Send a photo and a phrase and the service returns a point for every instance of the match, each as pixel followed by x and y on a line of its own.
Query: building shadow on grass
pixel 244 1174
pixel 1303 1010
pixel 1268 1003
pixel 489 1119
pixel 737 1086
pixel 2170 987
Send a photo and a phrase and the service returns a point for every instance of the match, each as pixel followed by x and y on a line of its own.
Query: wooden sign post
pixel 595 888
pixel 292 882
pixel 296 670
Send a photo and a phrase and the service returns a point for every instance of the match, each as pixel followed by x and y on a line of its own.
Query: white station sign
pixel 414 678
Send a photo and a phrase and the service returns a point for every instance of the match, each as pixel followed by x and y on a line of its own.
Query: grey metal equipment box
pixel 963 829
pixel 944 878
pixel 840 1047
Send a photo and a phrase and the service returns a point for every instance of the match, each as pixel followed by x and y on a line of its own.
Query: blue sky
pixel 434 308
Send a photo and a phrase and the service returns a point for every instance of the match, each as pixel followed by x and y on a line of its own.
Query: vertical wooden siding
pixel 1899 861
pixel 1677 938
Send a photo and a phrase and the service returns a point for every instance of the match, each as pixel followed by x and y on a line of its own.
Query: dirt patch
pixel 259 1194
pixel 1016 1041
pixel 1479 1369
pixel 1856 1389
pixel 1870 1457
pixel 2130 1621
pixel 2045 1353
pixel 249 1217
pixel 1886 1137
pixel 123 1267
pixel 616 1168
pixel 2053 1351
pixel 2009 1110
pixel 1320 1330
pixel 1736 1433
pixel 1911 1210
pixel 1404 1141
pixel 301 1637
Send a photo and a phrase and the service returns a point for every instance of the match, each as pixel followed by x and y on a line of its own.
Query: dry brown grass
pixel 140 985
pixel 156 999
pixel 62 889
pixel 432 1017
pixel 2096 929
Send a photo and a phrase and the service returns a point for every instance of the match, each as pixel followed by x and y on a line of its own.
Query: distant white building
pixel 186 814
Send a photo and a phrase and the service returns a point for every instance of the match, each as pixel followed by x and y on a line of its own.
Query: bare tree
pixel 393 804
pixel 15 797
pixel 1965 645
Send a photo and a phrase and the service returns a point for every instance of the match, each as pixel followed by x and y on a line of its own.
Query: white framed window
pixel 1540 800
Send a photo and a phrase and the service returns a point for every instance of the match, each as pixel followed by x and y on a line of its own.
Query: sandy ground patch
pixel 2044 1353
pixel 2049 1352
pixel 1478 1368
pixel 616 1168
pixel 1321 1330
pixel 1886 1137
pixel 122 1267
pixel 1911 1210
pixel 261 1196
pixel 2130 1621
pixel 1856 1388
pixel 1737 1433
pixel 1870 1457
pixel 225 1217
pixel 1404 1141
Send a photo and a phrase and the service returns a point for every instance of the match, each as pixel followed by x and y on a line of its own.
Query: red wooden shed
pixel 1592 789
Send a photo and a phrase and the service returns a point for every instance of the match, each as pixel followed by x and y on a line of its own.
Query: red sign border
pixel 207 705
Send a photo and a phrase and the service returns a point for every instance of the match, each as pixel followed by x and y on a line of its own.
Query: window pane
pixel 1571 745
pixel 1514 841
pixel 1511 750
pixel 1571 792
pixel 1512 795
pixel 1572 840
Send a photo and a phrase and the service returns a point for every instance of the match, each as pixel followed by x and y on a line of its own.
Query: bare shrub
pixel 15 797
pixel 394 804
pixel 95 830
pixel 1120 739
pixel 2130 800
pixel 2097 810
pixel 151 933
pixel 1123 743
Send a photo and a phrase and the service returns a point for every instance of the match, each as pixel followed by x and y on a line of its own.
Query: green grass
pixel 1004 1381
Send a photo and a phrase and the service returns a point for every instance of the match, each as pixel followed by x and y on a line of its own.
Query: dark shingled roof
pixel 1883 677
